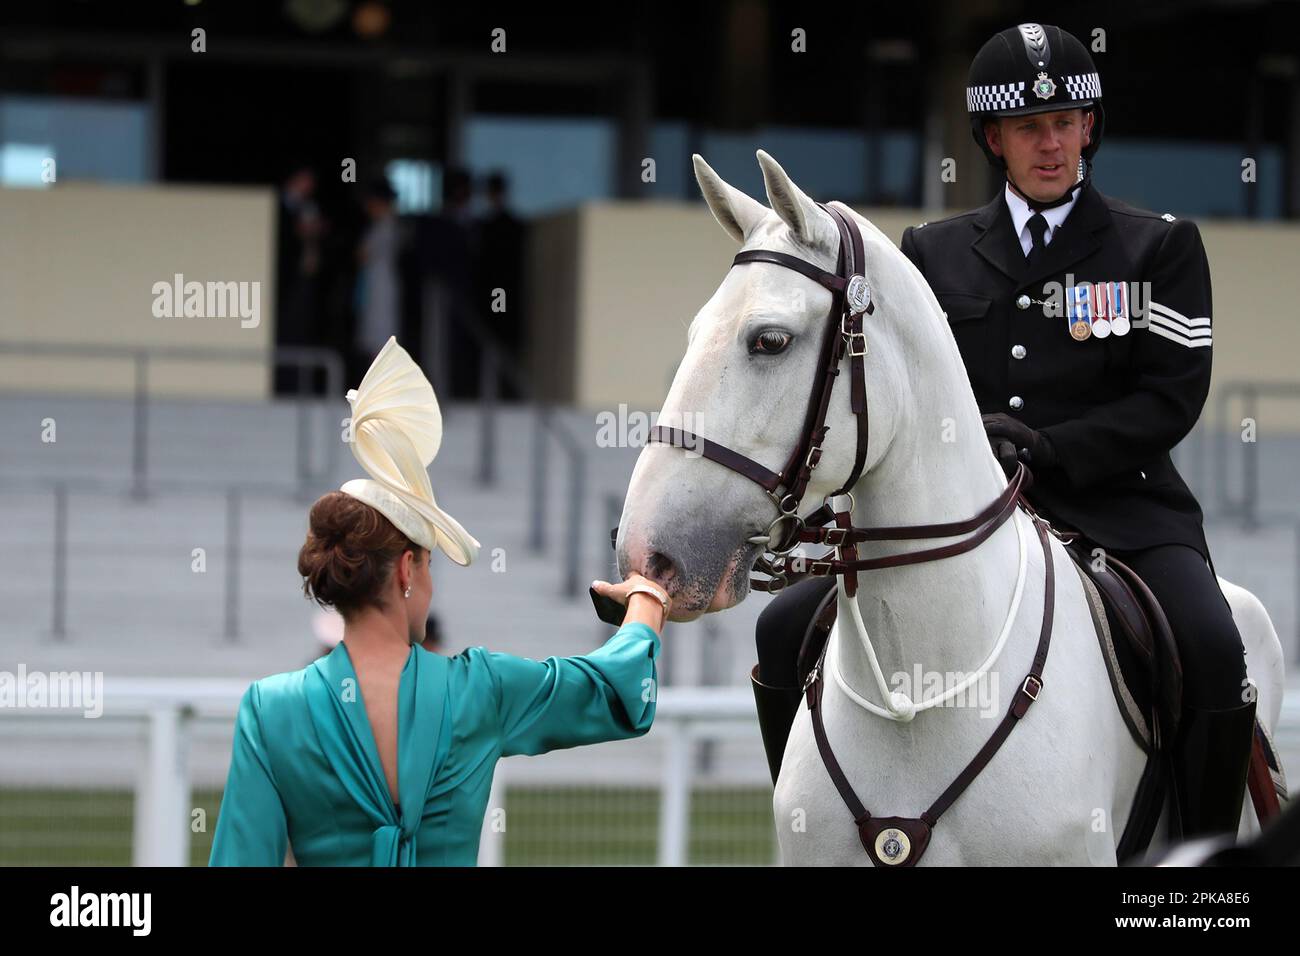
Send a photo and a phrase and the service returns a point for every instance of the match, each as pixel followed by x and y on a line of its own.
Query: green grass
pixel 556 826
pixel 82 827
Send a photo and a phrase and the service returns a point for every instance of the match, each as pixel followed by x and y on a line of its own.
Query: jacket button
pixel 1018 351
pixel 1016 402
pixel 1022 302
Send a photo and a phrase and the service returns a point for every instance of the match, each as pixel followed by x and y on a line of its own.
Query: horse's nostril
pixel 660 567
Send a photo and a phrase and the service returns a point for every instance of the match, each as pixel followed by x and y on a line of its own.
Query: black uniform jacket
pixel 1112 406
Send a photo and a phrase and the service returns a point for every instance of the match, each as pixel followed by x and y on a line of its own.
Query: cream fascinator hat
pixel 396 431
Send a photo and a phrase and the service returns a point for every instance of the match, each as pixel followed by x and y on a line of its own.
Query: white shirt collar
pixel 1020 214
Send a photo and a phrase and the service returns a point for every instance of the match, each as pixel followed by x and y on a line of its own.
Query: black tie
pixel 1038 230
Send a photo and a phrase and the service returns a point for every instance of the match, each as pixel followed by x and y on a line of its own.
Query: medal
pixel 1078 313
pixel 1119 323
pixel 1099 298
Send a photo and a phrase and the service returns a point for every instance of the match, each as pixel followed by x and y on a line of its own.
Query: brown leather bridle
pixel 844 338
pixel 889 841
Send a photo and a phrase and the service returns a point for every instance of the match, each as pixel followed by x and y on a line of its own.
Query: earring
pixel 408 592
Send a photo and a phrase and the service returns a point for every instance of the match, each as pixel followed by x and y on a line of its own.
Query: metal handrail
pixel 1276 522
pixel 1247 506
pixel 62 489
pixel 300 357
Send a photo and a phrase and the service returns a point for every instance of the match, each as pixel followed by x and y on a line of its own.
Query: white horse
pixel 1061 788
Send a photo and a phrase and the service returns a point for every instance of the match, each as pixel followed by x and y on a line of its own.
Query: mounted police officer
pixel 1085 327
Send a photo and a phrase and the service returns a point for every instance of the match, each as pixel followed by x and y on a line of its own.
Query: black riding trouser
pixel 1213 658
pixel 1209 645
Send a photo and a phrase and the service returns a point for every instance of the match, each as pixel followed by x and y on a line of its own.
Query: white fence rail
pixel 160 739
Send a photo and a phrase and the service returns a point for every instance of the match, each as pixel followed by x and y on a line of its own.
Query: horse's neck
pixel 944 615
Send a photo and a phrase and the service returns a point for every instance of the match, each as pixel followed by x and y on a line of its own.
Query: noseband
pixel 850 302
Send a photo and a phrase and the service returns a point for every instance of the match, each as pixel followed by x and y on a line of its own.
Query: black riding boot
pixel 1210 760
pixel 776 709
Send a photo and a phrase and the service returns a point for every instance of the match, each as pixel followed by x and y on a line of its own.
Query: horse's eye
pixel 770 342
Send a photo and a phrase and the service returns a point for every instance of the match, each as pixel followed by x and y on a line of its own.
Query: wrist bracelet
pixel 658 595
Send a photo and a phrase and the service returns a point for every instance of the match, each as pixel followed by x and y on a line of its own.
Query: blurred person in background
pixel 432 635
pixel 445 256
pixel 380 752
pixel 378 289
pixel 499 265
pixel 300 230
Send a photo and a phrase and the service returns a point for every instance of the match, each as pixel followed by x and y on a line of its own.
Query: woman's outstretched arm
pixel 608 694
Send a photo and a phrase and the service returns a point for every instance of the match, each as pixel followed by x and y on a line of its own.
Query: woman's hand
pixel 641 607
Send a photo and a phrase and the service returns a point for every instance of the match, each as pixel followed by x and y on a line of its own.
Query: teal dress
pixel 305 772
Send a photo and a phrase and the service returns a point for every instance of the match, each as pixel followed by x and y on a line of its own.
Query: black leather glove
pixel 1014 441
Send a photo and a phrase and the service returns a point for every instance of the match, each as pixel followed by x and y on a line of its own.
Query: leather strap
pixel 918 829
pixel 848 553
pixel 987 521
pixel 806 454
pixel 807 450
pixel 837 566
pixel 851 238
pixel 764 477
pixel 1020 482
pixel 828 279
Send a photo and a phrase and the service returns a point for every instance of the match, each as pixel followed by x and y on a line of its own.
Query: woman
pixel 380 752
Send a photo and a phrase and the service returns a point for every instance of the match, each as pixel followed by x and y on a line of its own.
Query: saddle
pixel 1146 674
pixel 1138 646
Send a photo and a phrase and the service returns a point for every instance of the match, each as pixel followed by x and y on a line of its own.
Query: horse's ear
pixel 736 212
pixel 790 202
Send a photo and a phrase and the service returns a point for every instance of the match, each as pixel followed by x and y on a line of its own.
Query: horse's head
pixel 745 382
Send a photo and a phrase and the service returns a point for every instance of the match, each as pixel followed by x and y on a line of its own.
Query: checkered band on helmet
pixel 1004 96
pixel 1083 86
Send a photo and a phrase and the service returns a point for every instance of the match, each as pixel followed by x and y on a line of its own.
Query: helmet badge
pixel 1044 87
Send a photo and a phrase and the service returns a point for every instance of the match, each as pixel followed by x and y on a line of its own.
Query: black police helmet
pixel 1032 68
